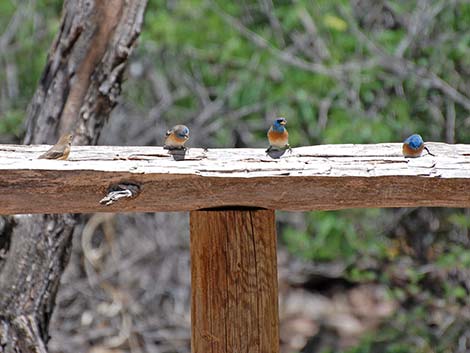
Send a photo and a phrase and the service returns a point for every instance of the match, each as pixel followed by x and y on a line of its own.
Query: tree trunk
pixel 76 93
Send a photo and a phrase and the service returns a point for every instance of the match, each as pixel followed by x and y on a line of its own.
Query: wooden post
pixel 234 281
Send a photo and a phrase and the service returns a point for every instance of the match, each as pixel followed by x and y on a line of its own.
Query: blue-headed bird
pixel 413 146
pixel 176 138
pixel 278 136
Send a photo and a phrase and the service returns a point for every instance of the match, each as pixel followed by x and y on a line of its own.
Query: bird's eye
pixel 183 133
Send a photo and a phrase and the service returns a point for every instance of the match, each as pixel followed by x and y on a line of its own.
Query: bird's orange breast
pixel 278 139
pixel 409 152
pixel 174 140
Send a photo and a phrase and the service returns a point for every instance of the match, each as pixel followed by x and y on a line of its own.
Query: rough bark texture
pixel 76 93
pixel 311 178
pixel 83 74
pixel 29 280
pixel 234 304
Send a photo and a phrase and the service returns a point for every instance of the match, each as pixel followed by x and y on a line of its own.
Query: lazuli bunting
pixel 278 136
pixel 176 137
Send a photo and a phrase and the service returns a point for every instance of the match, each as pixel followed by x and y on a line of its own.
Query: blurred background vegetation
pixel 340 71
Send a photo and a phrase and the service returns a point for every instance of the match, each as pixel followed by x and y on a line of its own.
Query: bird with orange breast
pixel 176 138
pixel 278 136
pixel 60 150
pixel 413 146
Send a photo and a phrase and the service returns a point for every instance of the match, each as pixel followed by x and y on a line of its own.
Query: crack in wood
pixel 222 177
pixel 120 191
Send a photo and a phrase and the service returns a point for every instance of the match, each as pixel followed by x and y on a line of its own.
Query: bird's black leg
pixel 427 150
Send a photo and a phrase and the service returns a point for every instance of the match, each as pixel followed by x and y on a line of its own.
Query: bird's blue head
pixel 182 132
pixel 415 141
pixel 279 124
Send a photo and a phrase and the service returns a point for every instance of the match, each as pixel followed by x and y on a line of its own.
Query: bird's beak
pixel 186 136
pixel 283 122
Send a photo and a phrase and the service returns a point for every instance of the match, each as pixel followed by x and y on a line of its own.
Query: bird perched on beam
pixel 278 136
pixel 176 138
pixel 60 150
pixel 413 146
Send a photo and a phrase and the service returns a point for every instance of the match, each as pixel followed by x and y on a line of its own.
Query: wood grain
pixel 234 281
pixel 311 178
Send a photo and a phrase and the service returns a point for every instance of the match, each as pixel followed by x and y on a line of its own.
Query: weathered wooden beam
pixel 234 281
pixel 311 178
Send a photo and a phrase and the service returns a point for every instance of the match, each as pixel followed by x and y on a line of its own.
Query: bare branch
pixel 421 19
pixel 268 9
pixel 450 122
pixel 287 57
pixel 12 28
pixel 312 31
pixel 406 69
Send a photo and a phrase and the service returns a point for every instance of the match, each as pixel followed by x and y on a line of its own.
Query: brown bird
pixel 60 150
pixel 176 137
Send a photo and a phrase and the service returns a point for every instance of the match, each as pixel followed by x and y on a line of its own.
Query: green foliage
pixel 191 39
pixel 25 53
pixel 334 236
pixel 455 256
pixel 11 122
pixel 408 331
pixel 198 36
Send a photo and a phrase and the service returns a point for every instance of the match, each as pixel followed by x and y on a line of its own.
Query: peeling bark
pixel 7 225
pixel 77 91
pixel 29 280
pixel 82 79
pixel 324 177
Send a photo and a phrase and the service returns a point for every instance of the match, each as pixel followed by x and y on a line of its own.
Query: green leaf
pixel 334 22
